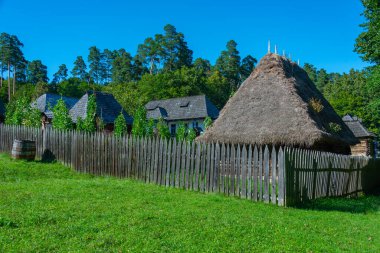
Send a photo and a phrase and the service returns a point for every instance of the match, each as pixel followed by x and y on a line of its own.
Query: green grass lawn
pixel 47 207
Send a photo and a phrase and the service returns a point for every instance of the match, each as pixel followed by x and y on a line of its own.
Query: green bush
pixel 163 129
pixel 120 125
pixel 207 122
pixel 19 112
pixel 61 120
pixel 139 122
pixel 88 124
pixel 191 135
pixel 181 132
pixel 150 125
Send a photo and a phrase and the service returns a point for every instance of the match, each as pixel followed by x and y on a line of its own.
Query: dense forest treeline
pixel 163 67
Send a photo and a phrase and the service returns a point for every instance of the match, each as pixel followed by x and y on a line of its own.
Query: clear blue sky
pixel 319 32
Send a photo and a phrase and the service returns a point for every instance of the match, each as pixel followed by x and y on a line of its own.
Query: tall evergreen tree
pixel 61 74
pixel 228 64
pixel 368 42
pixel 175 52
pixel 79 69
pixel 202 65
pixel 247 66
pixel 168 51
pixel 37 72
pixel 311 71
pixel 11 56
pixel 138 68
pixel 322 79
pixel 122 67
pixel 108 57
pixel 97 68
pixel 19 73
pixel 149 53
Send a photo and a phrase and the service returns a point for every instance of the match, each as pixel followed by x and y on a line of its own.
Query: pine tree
pixel 149 53
pixel 37 72
pixel 122 71
pixel 228 64
pixel 61 74
pixel 175 52
pixel 12 57
pixel 322 79
pixel 202 65
pixel 79 69
pixel 368 42
pixel 247 66
pixel 311 71
pixel 97 69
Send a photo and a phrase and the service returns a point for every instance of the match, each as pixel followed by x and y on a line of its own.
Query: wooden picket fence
pixel 314 174
pixel 281 176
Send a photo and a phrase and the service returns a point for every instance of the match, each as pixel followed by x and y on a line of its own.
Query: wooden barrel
pixel 24 149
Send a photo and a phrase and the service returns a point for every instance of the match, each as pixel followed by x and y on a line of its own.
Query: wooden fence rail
pixel 281 176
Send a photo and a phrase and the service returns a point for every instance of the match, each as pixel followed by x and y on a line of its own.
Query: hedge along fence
pixel 283 176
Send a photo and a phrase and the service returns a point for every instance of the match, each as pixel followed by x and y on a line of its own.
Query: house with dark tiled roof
pixel 46 102
pixel 192 111
pixel 107 109
pixel 2 111
pixel 366 145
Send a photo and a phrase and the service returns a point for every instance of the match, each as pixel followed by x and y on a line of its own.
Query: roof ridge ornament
pixel 268 46
pixel 275 49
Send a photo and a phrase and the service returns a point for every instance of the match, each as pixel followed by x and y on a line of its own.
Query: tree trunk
pixel 151 67
pixel 14 80
pixel 9 81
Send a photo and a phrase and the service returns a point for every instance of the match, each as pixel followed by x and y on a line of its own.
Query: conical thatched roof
pixel 273 106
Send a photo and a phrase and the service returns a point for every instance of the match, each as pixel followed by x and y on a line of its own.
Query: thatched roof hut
pixel 278 104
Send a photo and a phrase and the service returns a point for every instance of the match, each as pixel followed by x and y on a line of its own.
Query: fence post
pixel 315 167
pixel 281 178
pixel 329 178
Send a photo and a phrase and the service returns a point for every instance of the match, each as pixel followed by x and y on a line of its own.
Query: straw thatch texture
pixel 273 107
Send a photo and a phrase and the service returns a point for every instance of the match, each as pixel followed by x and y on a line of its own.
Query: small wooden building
pixel 190 111
pixel 45 104
pixel 365 147
pixel 107 110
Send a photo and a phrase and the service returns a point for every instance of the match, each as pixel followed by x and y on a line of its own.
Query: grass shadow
pixel 48 157
pixel 362 204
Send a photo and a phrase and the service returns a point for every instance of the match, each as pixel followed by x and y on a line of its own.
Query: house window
pixel 172 129
pixel 195 124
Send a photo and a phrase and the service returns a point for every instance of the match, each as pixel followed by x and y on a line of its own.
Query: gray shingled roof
pixel 356 127
pixel 47 101
pixel 184 108
pixel 107 108
pixel 2 108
